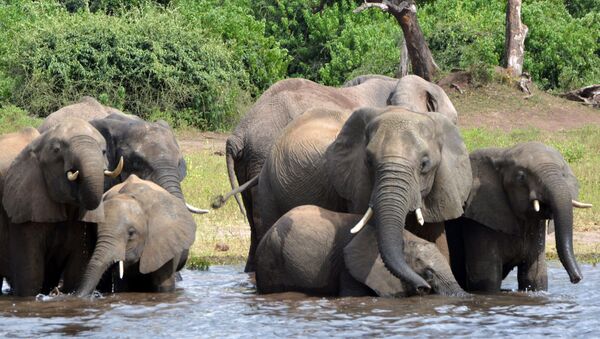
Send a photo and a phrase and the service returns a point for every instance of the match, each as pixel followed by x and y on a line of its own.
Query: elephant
pixel 515 190
pixel 388 162
pixel 87 109
pixel 52 192
pixel 11 144
pixel 311 250
pixel 250 144
pixel 146 229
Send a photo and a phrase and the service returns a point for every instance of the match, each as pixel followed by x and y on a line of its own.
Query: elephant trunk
pixel 392 197
pixel 167 177
pixel 560 201
pixel 90 164
pixel 105 254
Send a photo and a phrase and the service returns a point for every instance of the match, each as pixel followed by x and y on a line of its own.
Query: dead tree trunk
pixel 403 66
pixel 405 13
pixel 514 44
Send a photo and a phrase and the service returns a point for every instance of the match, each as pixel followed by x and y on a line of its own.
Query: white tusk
pixel 121 269
pixel 72 176
pixel 117 171
pixel 581 204
pixel 195 210
pixel 362 222
pixel 536 205
pixel 419 215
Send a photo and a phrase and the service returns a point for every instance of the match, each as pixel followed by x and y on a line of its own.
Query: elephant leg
pixel 350 287
pixel 27 249
pixel 456 247
pixel 533 273
pixel 80 242
pixel 483 264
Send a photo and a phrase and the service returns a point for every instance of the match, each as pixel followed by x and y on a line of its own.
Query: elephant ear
pixel 452 182
pixel 171 230
pixel 488 204
pixel 345 158
pixel 363 261
pixel 25 197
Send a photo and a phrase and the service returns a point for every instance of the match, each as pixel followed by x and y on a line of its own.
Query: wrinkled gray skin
pixel 501 230
pixel 311 250
pixel 11 145
pixel 147 228
pixel 48 215
pixel 250 143
pixel 87 109
pixel 391 159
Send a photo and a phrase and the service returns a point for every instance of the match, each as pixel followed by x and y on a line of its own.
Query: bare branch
pixel 368 5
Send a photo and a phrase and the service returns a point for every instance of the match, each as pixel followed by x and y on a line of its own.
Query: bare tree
pixel 514 44
pixel 405 13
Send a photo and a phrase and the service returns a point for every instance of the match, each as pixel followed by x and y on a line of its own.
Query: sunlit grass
pixel 225 227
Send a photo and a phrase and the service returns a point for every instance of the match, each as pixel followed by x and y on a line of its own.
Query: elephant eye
pixel 131 232
pixel 521 176
pixel 425 164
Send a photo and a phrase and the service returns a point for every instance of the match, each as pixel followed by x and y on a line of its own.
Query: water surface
pixel 222 302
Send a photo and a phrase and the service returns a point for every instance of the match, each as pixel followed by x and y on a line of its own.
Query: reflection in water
pixel 222 302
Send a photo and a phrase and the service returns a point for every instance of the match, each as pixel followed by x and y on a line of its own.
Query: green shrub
pixel 560 51
pixel 142 62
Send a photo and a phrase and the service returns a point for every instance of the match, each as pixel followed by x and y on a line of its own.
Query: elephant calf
pixel 147 231
pixel 311 250
pixel 515 190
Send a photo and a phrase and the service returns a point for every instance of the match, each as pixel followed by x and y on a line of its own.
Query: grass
pixel 13 119
pixel 226 226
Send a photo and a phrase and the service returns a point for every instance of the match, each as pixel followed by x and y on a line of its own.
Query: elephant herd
pixel 369 189
pixel 92 192
pixel 366 189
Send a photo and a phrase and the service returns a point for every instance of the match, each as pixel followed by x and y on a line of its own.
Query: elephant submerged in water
pixel 393 164
pixel 250 144
pixel 147 231
pixel 311 250
pixel 52 193
pixel 515 190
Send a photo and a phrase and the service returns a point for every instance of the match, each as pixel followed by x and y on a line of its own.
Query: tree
pixel 514 44
pixel 405 13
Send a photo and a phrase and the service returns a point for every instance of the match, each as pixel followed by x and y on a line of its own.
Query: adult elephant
pixel 515 190
pixel 52 190
pixel 250 144
pixel 87 108
pixel 311 250
pixel 387 162
pixel 11 145
pixel 150 151
pixel 147 230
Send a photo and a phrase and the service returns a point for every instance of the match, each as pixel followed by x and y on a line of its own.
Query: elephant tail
pixel 219 200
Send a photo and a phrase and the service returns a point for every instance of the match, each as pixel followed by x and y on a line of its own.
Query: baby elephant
pixel 515 190
pixel 147 231
pixel 311 250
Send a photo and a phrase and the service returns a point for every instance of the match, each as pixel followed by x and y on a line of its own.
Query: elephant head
pixel 149 149
pixel 420 95
pixel 143 224
pixel 527 182
pixel 63 167
pixel 392 162
pixel 364 264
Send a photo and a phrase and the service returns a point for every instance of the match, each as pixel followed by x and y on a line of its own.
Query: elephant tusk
pixel 536 205
pixel 581 204
pixel 121 269
pixel 117 171
pixel 419 215
pixel 72 176
pixel 195 210
pixel 362 222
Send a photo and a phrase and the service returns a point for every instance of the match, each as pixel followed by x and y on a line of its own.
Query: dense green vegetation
pixel 200 63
